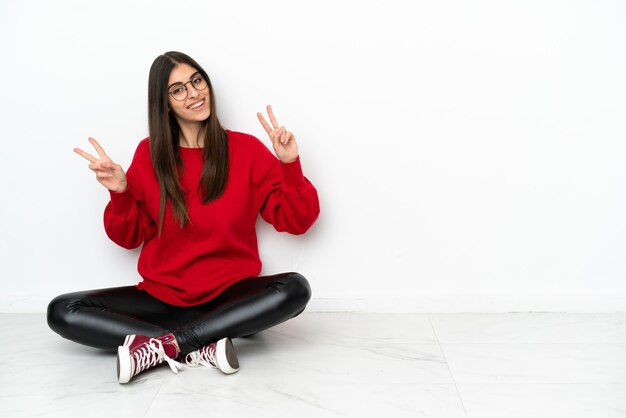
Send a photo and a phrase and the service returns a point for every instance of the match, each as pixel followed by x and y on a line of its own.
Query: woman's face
pixel 196 106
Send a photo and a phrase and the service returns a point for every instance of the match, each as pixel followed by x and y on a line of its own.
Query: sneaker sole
pixel 226 356
pixel 123 360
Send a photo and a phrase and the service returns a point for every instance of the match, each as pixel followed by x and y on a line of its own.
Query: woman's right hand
pixel 108 173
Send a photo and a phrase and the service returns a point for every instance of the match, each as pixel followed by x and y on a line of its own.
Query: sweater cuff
pixel 294 178
pixel 123 202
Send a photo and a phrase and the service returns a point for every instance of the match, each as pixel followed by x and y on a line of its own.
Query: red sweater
pixel 192 265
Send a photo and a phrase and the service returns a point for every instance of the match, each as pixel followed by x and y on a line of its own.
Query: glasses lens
pixel 199 83
pixel 178 92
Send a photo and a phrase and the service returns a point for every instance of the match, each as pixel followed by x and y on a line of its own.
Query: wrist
pixel 292 160
pixel 122 190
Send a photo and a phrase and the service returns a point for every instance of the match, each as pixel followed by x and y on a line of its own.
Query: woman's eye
pixel 177 90
pixel 197 81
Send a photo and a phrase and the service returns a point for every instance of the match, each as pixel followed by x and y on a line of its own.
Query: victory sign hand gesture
pixel 284 142
pixel 108 173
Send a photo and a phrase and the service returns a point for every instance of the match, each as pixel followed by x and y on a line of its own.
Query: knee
pixel 297 290
pixel 58 310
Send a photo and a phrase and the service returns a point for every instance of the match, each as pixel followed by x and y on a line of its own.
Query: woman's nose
pixel 191 91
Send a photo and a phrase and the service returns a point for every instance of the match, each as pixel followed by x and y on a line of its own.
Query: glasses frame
pixel 191 80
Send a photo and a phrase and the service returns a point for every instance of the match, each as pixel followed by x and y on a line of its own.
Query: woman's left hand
pixel 284 142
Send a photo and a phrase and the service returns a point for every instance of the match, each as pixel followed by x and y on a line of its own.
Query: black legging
pixel 102 318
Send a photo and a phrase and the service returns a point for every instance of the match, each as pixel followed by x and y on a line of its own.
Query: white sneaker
pixel 220 355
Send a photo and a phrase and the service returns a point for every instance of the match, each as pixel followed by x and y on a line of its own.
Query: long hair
pixel 164 136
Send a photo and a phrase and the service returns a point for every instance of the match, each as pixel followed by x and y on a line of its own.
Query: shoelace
pixel 204 356
pixel 150 355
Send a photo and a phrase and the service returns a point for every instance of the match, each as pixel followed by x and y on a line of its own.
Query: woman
pixel 191 196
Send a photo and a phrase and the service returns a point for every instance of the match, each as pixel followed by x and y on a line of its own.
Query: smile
pixel 196 106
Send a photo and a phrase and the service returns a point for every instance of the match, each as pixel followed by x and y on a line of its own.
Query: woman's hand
pixel 107 172
pixel 284 142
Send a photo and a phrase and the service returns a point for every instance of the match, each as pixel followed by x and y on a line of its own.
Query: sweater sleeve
pixel 289 200
pixel 126 219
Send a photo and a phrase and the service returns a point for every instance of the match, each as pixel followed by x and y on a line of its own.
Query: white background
pixel 469 155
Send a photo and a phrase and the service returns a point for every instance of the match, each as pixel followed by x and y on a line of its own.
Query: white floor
pixel 344 365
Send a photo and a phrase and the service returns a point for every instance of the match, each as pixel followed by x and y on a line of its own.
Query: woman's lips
pixel 195 108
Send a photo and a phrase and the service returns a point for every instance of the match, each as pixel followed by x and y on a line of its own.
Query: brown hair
pixel 164 137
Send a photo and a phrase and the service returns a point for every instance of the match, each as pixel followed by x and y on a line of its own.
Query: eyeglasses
pixel 179 90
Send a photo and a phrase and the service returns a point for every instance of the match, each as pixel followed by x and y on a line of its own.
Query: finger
pixel 279 134
pixel 272 117
pixel 267 127
pixel 85 155
pixel 283 135
pixel 97 167
pixel 103 166
pixel 275 136
pixel 98 148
